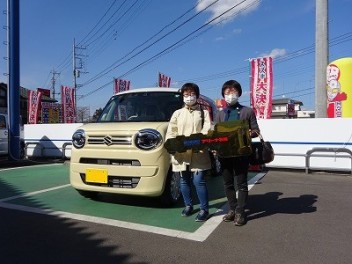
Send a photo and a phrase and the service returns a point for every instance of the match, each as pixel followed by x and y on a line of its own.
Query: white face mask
pixel 189 100
pixel 231 99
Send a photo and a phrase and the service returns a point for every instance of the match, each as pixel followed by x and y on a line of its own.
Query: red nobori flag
pixel 121 85
pixel 262 86
pixel 164 81
pixel 68 104
pixel 34 99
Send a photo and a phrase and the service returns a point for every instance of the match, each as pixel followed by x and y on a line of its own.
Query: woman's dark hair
pixel 190 87
pixel 231 84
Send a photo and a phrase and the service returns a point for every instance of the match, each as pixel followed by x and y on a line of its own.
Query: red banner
pixel 45 92
pixel 34 99
pixel 121 85
pixel 164 81
pixel 68 104
pixel 262 87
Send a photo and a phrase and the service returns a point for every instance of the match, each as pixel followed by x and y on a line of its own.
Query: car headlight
pixel 147 139
pixel 79 138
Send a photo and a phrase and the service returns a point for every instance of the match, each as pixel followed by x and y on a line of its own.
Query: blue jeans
pixel 201 188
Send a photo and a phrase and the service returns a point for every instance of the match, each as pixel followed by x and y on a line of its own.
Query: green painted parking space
pixel 49 189
pixel 30 179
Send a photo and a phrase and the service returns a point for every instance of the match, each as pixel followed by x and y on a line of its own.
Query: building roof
pixel 24 94
pixel 283 101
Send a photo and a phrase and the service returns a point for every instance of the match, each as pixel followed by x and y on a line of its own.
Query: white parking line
pixel 33 193
pixel 199 235
pixel 15 168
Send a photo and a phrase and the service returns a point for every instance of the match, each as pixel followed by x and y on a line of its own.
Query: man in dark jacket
pixel 236 166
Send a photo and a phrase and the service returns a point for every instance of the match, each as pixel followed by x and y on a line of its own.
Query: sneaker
pixel 240 219
pixel 187 211
pixel 229 217
pixel 202 216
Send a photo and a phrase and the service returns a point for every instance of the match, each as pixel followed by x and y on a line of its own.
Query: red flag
pixel 68 104
pixel 45 92
pixel 34 99
pixel 121 85
pixel 164 81
pixel 262 87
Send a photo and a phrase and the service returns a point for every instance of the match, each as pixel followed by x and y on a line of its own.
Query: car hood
pixel 123 127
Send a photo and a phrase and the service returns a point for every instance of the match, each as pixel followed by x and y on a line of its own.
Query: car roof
pixel 150 89
pixel 158 89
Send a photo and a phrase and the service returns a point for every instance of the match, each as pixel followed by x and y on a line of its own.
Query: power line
pixel 96 25
pixel 293 55
pixel 114 66
pixel 98 48
pixel 168 48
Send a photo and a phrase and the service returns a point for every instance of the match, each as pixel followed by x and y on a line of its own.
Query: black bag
pixel 262 152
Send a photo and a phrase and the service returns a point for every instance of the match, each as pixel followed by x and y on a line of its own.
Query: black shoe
pixel 240 219
pixel 187 211
pixel 229 217
pixel 202 216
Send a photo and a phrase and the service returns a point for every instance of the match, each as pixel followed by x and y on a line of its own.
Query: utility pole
pixel 321 57
pixel 13 40
pixel 78 68
pixel 74 76
pixel 53 81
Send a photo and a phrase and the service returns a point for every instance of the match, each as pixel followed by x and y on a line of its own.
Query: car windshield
pixel 141 107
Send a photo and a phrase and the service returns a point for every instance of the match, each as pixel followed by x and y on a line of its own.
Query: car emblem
pixel 107 140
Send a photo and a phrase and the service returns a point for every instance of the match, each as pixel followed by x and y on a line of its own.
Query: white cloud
pixel 275 53
pixel 236 6
pixel 219 38
pixel 234 32
pixel 237 31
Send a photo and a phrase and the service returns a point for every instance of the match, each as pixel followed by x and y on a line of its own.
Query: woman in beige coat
pixel 191 119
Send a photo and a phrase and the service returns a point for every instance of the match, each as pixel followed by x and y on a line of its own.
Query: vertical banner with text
pixel 339 88
pixel 262 87
pixel 164 81
pixel 68 104
pixel 121 85
pixel 34 100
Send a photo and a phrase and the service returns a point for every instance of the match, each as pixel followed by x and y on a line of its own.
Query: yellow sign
pixel 339 88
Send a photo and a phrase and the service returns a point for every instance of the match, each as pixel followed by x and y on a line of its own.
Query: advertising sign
pixel 339 88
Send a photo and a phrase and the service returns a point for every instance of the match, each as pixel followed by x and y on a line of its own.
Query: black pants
pixel 235 169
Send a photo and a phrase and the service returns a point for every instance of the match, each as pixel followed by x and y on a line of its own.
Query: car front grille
pixel 109 140
pixel 117 162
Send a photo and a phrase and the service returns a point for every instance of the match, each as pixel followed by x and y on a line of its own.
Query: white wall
pixel 297 136
pixel 290 138
pixel 51 137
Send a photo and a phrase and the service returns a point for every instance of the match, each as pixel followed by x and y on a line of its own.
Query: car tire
pixel 172 190
pixel 88 194
pixel 22 147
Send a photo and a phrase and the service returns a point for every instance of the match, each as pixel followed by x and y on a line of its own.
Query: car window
pixel 141 107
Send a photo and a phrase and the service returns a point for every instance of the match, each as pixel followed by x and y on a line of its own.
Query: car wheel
pixel 88 194
pixel 22 154
pixel 172 191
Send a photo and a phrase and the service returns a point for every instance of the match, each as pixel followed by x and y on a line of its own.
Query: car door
pixel 3 135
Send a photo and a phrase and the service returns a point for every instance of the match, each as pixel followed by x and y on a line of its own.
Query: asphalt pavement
pixel 293 218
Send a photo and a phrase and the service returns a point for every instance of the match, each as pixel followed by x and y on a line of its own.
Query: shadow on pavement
pixel 270 203
pixel 36 238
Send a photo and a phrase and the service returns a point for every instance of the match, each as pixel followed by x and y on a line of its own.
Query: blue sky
pixel 126 39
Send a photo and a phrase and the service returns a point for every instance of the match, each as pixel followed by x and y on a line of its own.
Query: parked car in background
pixel 123 151
pixel 4 136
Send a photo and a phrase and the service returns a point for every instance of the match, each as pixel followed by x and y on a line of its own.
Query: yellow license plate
pixel 97 175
